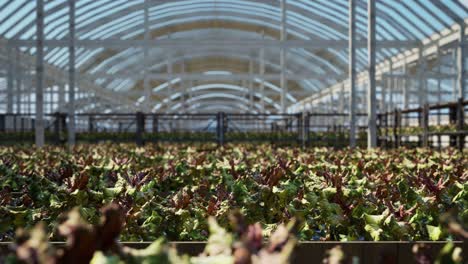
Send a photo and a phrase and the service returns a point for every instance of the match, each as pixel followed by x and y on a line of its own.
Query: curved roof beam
pixel 109 5
pixel 214 105
pixel 271 86
pixel 214 96
pixel 300 55
pixel 140 19
pixel 204 17
pixel 306 19
pixel 136 7
pixel 210 108
pixel 247 6
pixel 131 64
pixel 219 86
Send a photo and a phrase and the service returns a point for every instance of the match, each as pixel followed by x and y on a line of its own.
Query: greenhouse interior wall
pixel 345 75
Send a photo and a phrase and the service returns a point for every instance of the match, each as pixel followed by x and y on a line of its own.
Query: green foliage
pixel 99 244
pixel 171 190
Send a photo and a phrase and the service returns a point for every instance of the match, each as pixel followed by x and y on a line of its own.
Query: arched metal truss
pixel 237 55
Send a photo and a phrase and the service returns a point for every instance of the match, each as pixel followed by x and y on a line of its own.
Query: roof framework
pixel 248 56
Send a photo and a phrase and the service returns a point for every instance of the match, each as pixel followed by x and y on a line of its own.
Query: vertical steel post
pixel 455 86
pixel 341 103
pixel 146 87
pixel 91 124
pixel 439 83
pixel 245 95
pixel 461 56
pixel 61 97
pixel 383 93
pixel 422 92
pixel 10 81
pixel 10 87
pixel 460 124
pixel 391 89
pixel 453 117
pixel 262 81
pixel 183 90
pixel 57 127
pixel 169 74
pixel 71 75
pixel 251 86
pixel 140 128
pixel 439 94
pixel 352 73
pixel 155 123
pixel 425 120
pixel 29 88
pixel 2 123
pixel 19 84
pixel 406 88
pixel 39 122
pixel 371 98
pixel 396 126
pixel 220 128
pixel 301 124
pixel 283 37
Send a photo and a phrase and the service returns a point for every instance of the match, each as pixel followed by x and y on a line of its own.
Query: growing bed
pixel 170 190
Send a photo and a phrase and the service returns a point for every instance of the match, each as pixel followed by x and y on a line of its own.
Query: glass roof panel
pixel 240 19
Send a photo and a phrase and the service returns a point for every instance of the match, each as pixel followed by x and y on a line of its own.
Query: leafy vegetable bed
pixel 243 244
pixel 170 190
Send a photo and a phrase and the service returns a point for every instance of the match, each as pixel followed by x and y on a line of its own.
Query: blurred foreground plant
pixel 99 244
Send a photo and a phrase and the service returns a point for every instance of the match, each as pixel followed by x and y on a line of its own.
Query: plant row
pixel 169 190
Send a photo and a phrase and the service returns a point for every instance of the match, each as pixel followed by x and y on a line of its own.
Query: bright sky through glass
pixel 416 17
pixel 306 19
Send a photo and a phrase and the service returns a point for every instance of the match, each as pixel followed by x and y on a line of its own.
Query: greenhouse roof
pixel 204 41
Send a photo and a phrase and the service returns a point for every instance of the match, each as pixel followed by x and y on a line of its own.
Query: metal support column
pixel 245 93
pixel 383 94
pixel 352 73
pixel 10 84
pixel 91 124
pixel 147 107
pixel 19 83
pixel 10 81
pixel 341 103
pixel 220 128
pixel 155 126
pixel 406 88
pixel 460 124
pixel 391 89
pixel 251 87
pixel 39 123
pixel 2 123
pixel 454 80
pixel 306 127
pixel 169 74
pixel 461 56
pixel 439 94
pixel 371 98
pixel 422 92
pixel 425 123
pixel 439 83
pixel 283 37
pixel 29 88
pixel 262 81
pixel 61 97
pixel 140 128
pixel 71 74
pixel 183 90
pixel 189 94
pixel 396 127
